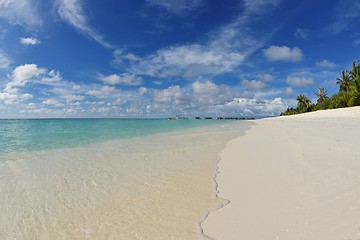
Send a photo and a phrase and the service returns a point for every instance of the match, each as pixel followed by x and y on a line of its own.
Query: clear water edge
pixel 138 177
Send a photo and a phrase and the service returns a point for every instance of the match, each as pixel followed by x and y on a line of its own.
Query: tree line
pixel 348 95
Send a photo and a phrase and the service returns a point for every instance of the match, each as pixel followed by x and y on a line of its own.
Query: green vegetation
pixel 348 95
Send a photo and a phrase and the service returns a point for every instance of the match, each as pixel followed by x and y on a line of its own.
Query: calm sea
pixel 109 178
pixel 43 134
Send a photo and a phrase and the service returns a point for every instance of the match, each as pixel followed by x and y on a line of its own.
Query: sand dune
pixel 295 177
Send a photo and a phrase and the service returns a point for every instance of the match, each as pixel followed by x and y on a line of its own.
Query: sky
pixel 161 58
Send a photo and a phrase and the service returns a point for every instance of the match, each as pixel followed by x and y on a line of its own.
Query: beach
pixel 293 177
pixel 153 186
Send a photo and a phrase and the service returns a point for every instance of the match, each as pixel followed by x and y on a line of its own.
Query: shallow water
pixel 158 186
pixel 41 134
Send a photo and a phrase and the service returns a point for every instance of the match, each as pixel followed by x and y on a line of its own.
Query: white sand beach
pixel 295 177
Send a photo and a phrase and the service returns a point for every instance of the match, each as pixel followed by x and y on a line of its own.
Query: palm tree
pixel 304 104
pixel 322 94
pixel 355 78
pixel 344 81
pixel 355 72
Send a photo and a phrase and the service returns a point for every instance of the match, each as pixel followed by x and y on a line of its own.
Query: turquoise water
pixel 41 134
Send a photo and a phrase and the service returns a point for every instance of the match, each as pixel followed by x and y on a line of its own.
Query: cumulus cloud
pixel 10 98
pixel 20 12
pixel 283 53
pixel 125 79
pixel 72 97
pixel 53 102
pixel 299 81
pixel 103 92
pixel 254 107
pixel 71 11
pixel 177 7
pixel 29 41
pixel 14 91
pixel 254 84
pixel 210 93
pixel 326 64
pixel 201 97
pixel 21 76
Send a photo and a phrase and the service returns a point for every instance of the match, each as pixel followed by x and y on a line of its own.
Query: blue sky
pixel 160 58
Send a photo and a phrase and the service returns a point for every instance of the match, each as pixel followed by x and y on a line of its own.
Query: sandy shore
pixel 294 177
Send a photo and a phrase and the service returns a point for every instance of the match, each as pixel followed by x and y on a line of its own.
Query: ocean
pixel 41 134
pixel 109 178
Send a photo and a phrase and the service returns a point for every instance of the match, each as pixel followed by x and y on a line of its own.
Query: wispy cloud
pixel 71 11
pixel 346 14
pixel 4 60
pixel 259 6
pixel 225 50
pixel 302 33
pixel 21 12
pixel 177 7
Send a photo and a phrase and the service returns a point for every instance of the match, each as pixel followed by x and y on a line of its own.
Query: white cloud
pixel 4 61
pixel 51 77
pixel 259 6
pixel 225 50
pixel 299 81
pixel 209 93
pixel 125 79
pixel 201 97
pixel 142 91
pixel 170 94
pixel 25 72
pixel 20 12
pixel 302 33
pixel 254 107
pixel 10 98
pixel 254 84
pixel 103 92
pixel 265 77
pixel 188 61
pixel 71 11
pixel 29 41
pixel 21 76
pixel 53 102
pixel 177 7
pixel 72 97
pixel 283 53
pixel 289 91
pixel 326 64
pixel 345 16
